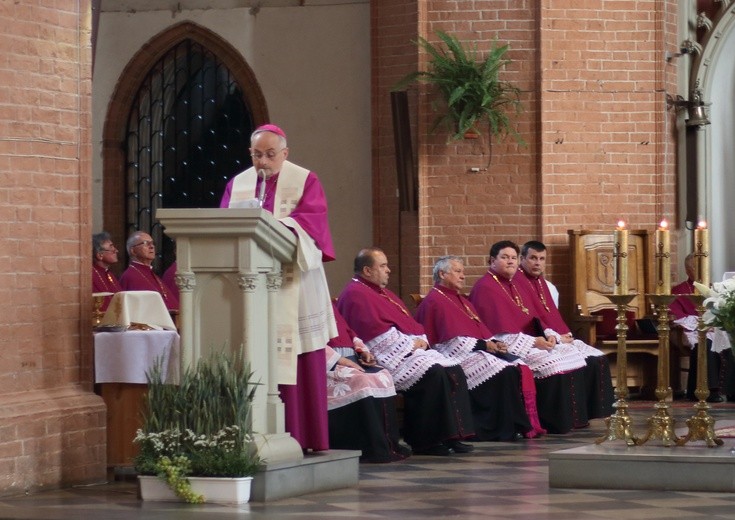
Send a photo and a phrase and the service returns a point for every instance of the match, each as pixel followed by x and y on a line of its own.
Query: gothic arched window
pixel 187 134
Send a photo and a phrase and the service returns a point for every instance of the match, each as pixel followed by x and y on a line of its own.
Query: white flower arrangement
pixel 720 305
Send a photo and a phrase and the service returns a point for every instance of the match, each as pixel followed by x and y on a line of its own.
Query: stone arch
pixel 713 71
pixel 113 133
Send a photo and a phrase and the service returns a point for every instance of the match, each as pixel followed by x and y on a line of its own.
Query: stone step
pixel 320 471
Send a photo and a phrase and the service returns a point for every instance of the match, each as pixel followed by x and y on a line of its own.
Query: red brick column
pixel 52 427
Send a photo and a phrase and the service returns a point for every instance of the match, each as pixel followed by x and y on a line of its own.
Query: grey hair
pixel 98 239
pixel 281 139
pixel 132 239
pixel 444 264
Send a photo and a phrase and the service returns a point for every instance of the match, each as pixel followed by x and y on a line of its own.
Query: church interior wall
pixel 607 139
pixel 312 64
pixel 52 427
pixel 394 28
pixel 599 139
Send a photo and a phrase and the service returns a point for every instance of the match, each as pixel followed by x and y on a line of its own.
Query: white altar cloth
pixel 143 307
pixel 125 357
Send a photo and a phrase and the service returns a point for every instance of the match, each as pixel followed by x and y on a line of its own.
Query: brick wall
pixel 605 151
pixel 599 139
pixel 393 28
pixel 51 425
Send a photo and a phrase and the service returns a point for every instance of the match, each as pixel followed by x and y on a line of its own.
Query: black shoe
pixel 440 450
pixel 403 450
pixel 459 447
pixel 715 398
pixel 692 397
pixel 518 436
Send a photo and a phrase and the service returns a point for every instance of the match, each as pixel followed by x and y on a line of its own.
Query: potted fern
pixel 469 86
pixel 196 440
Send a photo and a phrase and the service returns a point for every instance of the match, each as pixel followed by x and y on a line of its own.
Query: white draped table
pixel 125 357
pixel 121 361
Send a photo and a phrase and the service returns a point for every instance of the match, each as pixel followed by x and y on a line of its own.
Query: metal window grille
pixel 188 133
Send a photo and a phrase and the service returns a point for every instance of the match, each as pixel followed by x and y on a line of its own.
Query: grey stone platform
pixel 321 471
pixel 613 465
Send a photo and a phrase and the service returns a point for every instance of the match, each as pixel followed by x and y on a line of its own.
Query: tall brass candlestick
pixel 663 259
pixel 701 254
pixel 619 423
pixel 701 424
pixel 661 423
pixel 620 253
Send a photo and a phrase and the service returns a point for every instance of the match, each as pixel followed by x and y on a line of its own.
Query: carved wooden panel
pixel 594 273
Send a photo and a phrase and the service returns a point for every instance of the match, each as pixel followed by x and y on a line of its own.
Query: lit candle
pixel 620 252
pixel 663 259
pixel 701 253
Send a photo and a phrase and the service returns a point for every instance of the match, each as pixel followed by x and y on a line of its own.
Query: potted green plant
pixel 469 86
pixel 196 437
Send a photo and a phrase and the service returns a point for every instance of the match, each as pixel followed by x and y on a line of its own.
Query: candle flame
pixel 664 224
pixel 702 224
pixel 621 224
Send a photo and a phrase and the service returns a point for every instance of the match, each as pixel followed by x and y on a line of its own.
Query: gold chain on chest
pixel 464 307
pixel 384 295
pixel 514 298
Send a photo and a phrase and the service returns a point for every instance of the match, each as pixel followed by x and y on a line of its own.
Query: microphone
pixel 261 197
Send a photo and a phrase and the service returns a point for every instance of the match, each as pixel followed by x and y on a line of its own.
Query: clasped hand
pixel 542 343
pixel 420 344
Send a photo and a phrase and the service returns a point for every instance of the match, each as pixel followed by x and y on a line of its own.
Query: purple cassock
pixel 506 307
pixel 436 400
pixel 305 402
pixel 104 281
pixel 362 409
pixel 169 279
pixel 310 212
pixel 501 305
pixel 140 277
pixel 502 390
pixel 598 381
pixel 683 306
pixel 720 369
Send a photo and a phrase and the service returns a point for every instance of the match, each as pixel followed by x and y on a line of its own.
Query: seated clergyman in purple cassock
pixel 502 390
pixel 503 307
pixel 139 276
pixel 104 256
pixel 599 383
pixel 719 365
pixel 361 400
pixel 306 323
pixel 437 413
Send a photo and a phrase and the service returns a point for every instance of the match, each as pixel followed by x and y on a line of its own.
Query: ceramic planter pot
pixel 215 490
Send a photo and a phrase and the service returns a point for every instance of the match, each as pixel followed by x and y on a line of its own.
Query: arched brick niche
pixel 113 135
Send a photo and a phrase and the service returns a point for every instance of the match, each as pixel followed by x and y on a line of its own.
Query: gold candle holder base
pixel 701 424
pixel 619 423
pixel 701 427
pixel 661 424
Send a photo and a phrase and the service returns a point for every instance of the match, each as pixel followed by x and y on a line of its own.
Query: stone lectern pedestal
pixel 228 274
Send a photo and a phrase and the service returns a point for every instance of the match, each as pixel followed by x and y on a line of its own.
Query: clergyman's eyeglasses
pixel 270 154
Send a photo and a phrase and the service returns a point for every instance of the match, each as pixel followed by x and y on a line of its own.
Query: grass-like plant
pixel 200 427
pixel 469 86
